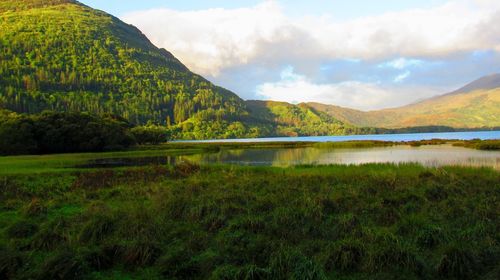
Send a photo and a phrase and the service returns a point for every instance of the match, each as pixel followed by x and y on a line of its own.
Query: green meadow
pixel 190 221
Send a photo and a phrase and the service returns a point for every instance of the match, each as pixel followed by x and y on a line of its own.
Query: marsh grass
pixel 375 221
pixel 491 145
pixel 353 144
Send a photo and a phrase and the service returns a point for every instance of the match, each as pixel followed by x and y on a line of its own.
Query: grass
pixel 353 144
pixel 65 162
pixel 376 221
pixel 215 146
pixel 491 145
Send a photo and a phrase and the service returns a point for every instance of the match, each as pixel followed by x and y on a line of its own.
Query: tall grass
pixel 480 144
pixel 376 221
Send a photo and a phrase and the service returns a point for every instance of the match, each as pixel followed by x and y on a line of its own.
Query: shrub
pixel 151 134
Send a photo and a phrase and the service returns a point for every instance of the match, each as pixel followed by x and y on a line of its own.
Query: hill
pixel 483 83
pixel 298 120
pixel 473 106
pixel 61 55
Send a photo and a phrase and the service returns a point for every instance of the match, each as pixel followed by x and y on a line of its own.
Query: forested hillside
pixel 297 120
pixel 60 55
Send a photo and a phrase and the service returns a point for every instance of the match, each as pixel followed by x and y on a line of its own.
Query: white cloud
pixel 244 49
pixel 295 88
pixel 401 77
pixel 209 41
pixel 401 63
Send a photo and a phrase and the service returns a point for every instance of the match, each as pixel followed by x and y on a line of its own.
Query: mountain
pixel 483 83
pixel 473 106
pixel 296 120
pixel 61 55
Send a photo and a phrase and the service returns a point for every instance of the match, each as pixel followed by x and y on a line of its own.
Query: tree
pixel 151 134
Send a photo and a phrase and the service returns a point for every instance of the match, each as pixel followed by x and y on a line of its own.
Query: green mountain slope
pixel 475 109
pixel 296 120
pixel 61 55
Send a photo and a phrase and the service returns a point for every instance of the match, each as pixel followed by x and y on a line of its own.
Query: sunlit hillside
pixel 479 108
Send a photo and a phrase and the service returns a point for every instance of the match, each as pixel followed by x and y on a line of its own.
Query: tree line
pixel 56 132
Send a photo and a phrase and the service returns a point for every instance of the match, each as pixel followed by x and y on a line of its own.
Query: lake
pixel 483 135
pixel 435 155
pixel 431 156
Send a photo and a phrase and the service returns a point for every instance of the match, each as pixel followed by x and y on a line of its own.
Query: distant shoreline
pixel 470 135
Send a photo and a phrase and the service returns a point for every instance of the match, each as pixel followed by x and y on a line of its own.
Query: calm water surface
pixel 436 155
pixel 432 156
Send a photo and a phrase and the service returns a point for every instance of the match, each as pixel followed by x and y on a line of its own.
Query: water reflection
pixel 427 155
pixel 432 156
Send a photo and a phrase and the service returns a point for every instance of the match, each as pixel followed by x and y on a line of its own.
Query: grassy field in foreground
pixel 228 222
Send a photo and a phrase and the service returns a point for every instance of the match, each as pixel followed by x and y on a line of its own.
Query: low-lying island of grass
pixel 227 222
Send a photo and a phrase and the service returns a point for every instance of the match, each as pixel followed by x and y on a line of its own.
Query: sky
pixel 361 54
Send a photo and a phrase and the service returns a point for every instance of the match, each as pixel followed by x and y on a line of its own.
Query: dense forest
pixel 53 132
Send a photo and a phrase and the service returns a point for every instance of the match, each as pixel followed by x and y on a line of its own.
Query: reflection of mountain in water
pixel 269 157
pixel 287 157
pixel 427 155
pixel 432 156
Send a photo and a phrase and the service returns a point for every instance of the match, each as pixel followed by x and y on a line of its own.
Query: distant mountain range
pixel 61 55
pixel 477 104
